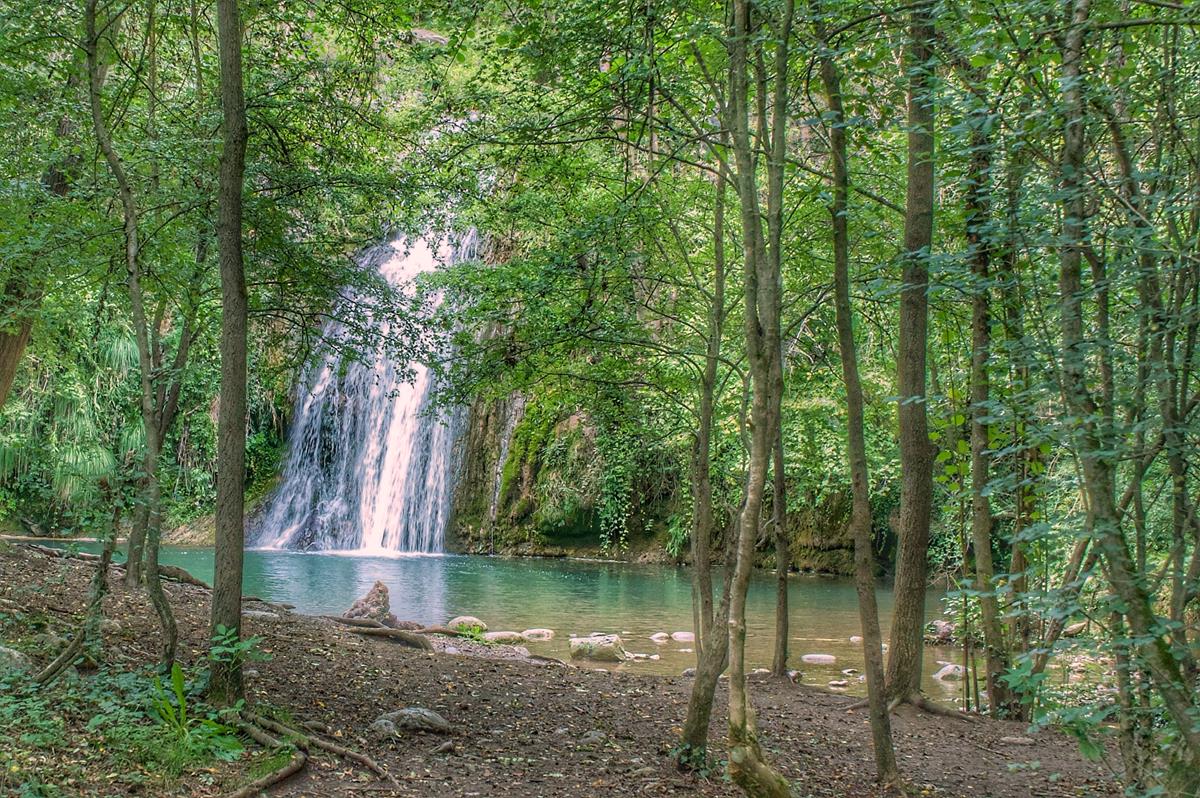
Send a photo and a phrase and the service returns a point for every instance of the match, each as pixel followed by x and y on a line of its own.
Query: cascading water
pixel 371 465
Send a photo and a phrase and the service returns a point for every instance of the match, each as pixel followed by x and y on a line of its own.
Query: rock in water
pixel 511 638
pixel 949 673
pixel 416 719
pixel 599 648
pixel 375 605
pixel 467 622
pixel 683 637
pixel 818 659
pixel 13 662
pixel 536 635
pixel 660 638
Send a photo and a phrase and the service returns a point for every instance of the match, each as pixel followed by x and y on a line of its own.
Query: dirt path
pixel 522 729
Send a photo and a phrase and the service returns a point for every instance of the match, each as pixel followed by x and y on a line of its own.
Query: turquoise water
pixel 570 597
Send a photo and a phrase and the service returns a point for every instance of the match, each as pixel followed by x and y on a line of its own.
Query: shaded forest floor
pixel 519 728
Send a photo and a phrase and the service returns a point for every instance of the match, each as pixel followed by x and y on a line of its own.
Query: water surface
pixel 572 597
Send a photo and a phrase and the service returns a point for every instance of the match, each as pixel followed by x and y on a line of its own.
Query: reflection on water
pixel 570 597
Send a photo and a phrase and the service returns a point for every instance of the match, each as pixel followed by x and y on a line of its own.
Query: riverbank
pixel 518 729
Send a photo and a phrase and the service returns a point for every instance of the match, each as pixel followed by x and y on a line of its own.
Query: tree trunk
pixel 860 511
pixel 150 420
pixel 1095 452
pixel 783 560
pixel 226 684
pixel 12 345
pixel 979 246
pixel 711 638
pixel 762 291
pixel 916 451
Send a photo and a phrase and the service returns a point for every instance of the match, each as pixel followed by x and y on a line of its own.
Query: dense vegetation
pixel 923 278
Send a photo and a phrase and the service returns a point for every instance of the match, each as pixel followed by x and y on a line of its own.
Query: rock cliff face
pixel 528 484
pixel 531 480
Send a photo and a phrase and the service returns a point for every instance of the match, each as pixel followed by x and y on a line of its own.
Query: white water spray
pixel 370 467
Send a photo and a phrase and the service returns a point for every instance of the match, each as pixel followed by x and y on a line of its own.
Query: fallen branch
pixel 410 639
pixel 440 630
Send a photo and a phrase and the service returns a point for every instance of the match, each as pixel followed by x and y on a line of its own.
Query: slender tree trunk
pixel 711 637
pixel 860 512
pixel 783 560
pixel 979 205
pixel 150 420
pixel 916 451
pixel 747 765
pixel 226 683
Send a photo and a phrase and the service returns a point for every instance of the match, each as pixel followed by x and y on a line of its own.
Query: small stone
pixel 1017 740
pixel 683 637
pixel 839 683
pixel 451 650
pixel 1075 629
pixel 688 673
pixel 760 671
pixel 818 659
pixel 538 635
pixel 445 748
pixel 594 737
pixel 110 626
pixel 795 676
pixel 850 671
pixel 856 639
pixel 467 622
pixel 660 638
pixel 687 651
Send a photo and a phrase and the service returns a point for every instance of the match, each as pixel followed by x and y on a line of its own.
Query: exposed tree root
pixel 362 623
pixel 410 639
pixel 921 702
pixel 305 741
pixel 294 765
pixel 64 659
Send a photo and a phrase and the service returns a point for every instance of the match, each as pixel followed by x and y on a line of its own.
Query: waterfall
pixel 370 463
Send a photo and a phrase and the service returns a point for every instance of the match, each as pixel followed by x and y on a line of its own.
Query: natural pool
pixel 571 597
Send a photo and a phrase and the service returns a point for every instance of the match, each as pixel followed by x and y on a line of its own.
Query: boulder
pixel 598 648
pixel 417 719
pixel 13 662
pixel 261 615
pixel 683 637
pixel 510 638
pixel 660 638
pixel 375 606
pixel 689 672
pixel 839 684
pixel 538 635
pixel 940 632
pixel 818 659
pixel 467 622
pixel 950 672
